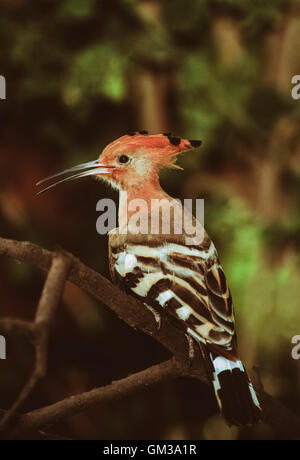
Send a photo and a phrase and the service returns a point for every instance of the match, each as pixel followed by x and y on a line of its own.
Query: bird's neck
pixel 147 203
pixel 140 194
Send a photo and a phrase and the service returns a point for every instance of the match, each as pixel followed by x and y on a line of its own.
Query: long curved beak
pixel 93 168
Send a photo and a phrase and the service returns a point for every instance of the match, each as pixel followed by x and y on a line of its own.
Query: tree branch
pixel 17 327
pixel 63 265
pixel 113 392
pixel 128 309
pixel 40 329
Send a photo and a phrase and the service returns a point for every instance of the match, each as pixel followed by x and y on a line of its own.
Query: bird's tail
pixel 234 392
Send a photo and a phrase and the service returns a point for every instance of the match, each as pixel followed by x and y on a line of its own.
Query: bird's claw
pixel 156 316
pixel 191 347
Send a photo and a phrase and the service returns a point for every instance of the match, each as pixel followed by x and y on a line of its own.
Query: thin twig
pixel 52 414
pixel 51 294
pixel 17 327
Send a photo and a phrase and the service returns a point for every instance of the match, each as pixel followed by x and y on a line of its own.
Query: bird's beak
pixel 91 168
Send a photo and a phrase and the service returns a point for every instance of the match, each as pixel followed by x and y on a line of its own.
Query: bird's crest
pixel 162 148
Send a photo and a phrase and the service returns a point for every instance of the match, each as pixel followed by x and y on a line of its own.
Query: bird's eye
pixel 123 159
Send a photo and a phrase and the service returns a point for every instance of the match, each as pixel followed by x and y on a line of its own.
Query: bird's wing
pixel 186 281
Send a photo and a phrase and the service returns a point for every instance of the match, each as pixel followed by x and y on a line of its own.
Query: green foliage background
pixel 79 74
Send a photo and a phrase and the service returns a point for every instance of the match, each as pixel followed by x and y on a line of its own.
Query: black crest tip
pixel 174 140
pixel 195 143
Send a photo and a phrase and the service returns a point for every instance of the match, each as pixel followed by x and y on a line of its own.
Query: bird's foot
pixel 156 315
pixel 191 348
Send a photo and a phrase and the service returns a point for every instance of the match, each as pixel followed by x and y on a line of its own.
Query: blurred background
pixel 81 73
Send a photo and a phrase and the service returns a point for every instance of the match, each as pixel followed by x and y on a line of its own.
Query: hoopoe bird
pixel 165 273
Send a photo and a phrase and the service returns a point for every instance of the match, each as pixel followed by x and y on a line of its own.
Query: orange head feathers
pixel 132 159
pixel 136 157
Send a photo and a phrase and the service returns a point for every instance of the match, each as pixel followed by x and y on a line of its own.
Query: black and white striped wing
pixel 187 282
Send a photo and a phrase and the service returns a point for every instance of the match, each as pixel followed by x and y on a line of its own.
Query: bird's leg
pixel 155 314
pixel 191 348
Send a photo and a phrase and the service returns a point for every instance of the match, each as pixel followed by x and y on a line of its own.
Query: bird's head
pixel 131 159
